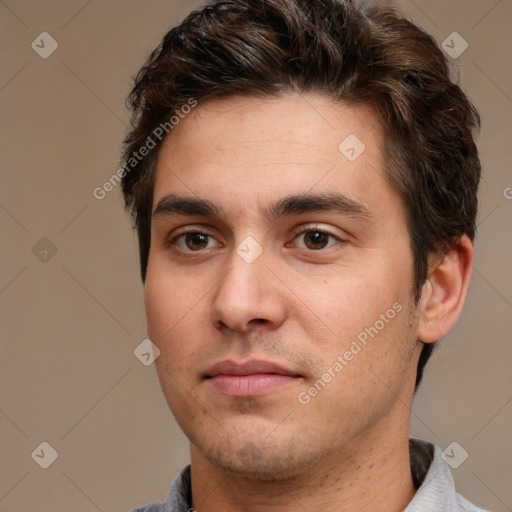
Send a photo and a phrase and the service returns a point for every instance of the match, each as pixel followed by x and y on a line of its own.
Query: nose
pixel 248 295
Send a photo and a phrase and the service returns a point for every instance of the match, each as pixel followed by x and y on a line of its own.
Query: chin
pixel 268 459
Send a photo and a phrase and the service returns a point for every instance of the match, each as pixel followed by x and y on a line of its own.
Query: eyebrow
pixel 308 203
pixel 181 205
pixel 172 204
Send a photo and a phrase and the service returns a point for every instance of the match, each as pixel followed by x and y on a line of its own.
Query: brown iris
pixel 196 241
pixel 316 239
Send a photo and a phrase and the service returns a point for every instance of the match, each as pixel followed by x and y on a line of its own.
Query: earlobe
pixel 445 290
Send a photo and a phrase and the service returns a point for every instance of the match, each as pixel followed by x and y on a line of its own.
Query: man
pixel 303 179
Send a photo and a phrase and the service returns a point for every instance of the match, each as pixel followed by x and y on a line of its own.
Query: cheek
pixel 165 303
pixel 158 311
pixel 364 303
pixel 176 312
pixel 351 298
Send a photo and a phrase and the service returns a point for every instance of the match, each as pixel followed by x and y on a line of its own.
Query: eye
pixel 316 239
pixel 194 241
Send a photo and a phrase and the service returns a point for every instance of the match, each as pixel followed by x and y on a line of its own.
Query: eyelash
pixel 316 229
pixel 174 240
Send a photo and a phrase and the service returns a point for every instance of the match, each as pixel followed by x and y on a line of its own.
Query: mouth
pixel 249 379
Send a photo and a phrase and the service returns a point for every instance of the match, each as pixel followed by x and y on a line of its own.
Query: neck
pixel 371 473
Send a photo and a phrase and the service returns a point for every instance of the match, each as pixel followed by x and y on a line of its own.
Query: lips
pixel 252 367
pixel 251 378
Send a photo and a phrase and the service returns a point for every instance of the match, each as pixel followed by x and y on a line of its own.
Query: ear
pixel 444 291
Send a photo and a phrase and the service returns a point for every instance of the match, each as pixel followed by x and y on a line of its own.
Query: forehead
pixel 241 150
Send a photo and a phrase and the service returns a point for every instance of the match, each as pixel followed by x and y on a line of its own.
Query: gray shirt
pixel 431 476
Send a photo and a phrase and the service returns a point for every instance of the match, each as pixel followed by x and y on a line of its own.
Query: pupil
pixel 196 241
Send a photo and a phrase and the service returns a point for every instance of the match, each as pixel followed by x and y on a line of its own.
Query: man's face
pixel 275 254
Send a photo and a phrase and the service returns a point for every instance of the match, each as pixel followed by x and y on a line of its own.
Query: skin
pixel 298 304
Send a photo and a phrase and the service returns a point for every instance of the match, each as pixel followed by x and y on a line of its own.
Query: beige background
pixel 68 375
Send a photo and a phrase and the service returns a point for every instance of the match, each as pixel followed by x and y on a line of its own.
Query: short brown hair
pixel 356 55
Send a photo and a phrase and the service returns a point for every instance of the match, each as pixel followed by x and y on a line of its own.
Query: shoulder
pixel 179 498
pixel 463 505
pixel 152 507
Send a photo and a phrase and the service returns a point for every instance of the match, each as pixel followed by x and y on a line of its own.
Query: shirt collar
pixel 436 489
